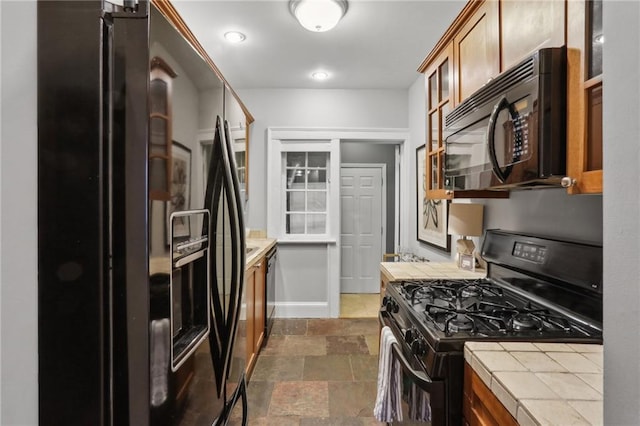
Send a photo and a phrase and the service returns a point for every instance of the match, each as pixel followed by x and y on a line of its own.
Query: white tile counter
pixel 261 245
pixel 542 383
pixel 398 271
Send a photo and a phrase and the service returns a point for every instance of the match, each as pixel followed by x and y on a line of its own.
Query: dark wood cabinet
pixel 440 99
pixel 584 96
pixel 464 59
pixel 527 26
pixel 480 406
pixel 476 49
pixel 490 36
pixel 255 311
pixel 160 129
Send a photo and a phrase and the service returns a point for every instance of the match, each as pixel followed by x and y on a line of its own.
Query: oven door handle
pixel 421 379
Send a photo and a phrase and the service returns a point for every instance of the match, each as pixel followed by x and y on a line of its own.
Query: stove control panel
pixel 531 252
pixel 415 341
pixel 390 305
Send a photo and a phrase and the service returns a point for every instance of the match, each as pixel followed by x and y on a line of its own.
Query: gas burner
pixel 459 322
pixel 478 289
pixel 523 321
pixel 470 291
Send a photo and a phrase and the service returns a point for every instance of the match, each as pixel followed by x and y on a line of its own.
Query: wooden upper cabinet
pixel 584 96
pixel 529 25
pixel 160 129
pixel 440 96
pixel 476 49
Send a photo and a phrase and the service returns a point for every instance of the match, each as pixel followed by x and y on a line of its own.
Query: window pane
pixel 594 138
pixel 158 136
pixel 295 223
pixel 434 172
pixel 433 91
pixel 295 159
pixel 317 179
pixel 317 201
pixel 158 174
pixel 240 158
pixel 158 96
pixel 444 80
pixel 316 224
pixel 295 201
pixel 295 179
pixel 434 125
pixel 317 159
pixel 596 38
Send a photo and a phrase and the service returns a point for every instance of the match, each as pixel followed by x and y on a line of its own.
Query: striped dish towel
pixel 419 404
pixel 388 404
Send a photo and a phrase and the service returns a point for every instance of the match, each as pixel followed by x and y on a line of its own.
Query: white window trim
pixel 277 136
pixel 276 184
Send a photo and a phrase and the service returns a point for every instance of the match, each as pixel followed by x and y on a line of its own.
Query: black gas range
pixel 537 289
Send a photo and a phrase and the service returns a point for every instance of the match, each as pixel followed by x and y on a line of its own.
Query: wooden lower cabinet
pixel 255 311
pixel 480 406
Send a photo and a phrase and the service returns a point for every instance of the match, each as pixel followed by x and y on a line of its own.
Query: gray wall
pixel 303 268
pixel 311 108
pixel 18 217
pixel 547 212
pixel 362 152
pixel 621 213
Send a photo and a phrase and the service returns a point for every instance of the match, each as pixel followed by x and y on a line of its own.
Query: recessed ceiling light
pixel 320 75
pixel 234 36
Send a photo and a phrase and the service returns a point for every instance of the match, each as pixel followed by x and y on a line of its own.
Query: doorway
pixel 362 230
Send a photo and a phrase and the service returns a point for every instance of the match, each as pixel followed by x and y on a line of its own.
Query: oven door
pixel 415 380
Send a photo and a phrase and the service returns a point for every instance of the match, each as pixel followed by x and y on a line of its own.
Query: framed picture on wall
pixel 431 214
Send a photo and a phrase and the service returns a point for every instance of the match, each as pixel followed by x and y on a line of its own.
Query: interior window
pixel 306 192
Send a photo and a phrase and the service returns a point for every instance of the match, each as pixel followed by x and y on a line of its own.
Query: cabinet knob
pixel 567 182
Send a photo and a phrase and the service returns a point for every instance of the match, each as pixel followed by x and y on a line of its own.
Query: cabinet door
pixel 160 129
pixel 440 96
pixel 480 406
pixel 584 96
pixel 260 282
pixel 476 48
pixel 250 310
pixel 529 25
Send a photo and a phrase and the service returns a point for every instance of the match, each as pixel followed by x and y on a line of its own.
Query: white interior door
pixel 361 229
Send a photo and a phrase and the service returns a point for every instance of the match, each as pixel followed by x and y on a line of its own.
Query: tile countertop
pixel 262 247
pixel 398 271
pixel 542 383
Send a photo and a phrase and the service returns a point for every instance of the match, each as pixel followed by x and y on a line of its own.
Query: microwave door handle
pixel 491 142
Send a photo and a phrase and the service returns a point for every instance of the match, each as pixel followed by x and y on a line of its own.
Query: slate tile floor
pixel 315 372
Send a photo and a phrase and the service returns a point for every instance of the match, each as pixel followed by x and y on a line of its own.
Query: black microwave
pixel 511 133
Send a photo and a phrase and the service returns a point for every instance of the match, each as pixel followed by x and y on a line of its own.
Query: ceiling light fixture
pixel 318 15
pixel 320 75
pixel 234 36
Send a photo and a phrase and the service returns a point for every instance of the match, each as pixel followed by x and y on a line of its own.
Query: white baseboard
pixel 302 310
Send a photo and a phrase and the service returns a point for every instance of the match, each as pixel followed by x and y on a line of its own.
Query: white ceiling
pixel 377 45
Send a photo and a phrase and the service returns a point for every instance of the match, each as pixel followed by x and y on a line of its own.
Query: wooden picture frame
pixel 431 215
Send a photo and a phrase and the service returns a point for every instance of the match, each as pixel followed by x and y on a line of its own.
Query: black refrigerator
pixel 141 245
